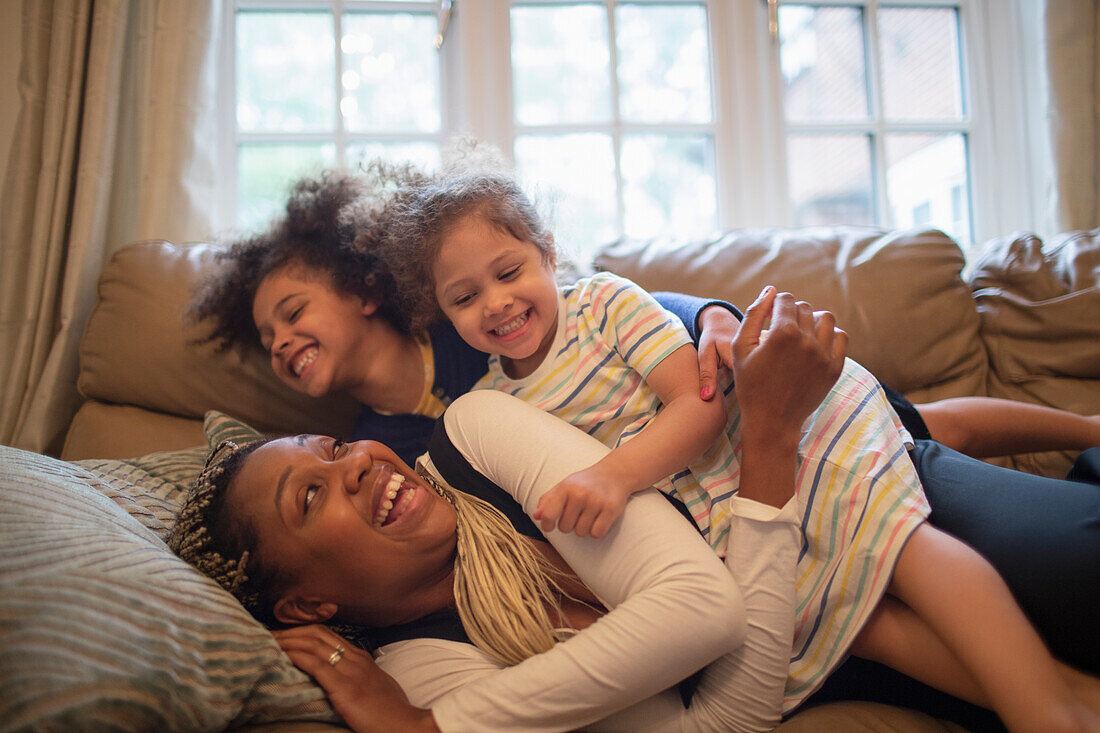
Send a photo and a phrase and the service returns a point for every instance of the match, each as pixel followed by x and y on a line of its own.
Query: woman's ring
pixel 337 655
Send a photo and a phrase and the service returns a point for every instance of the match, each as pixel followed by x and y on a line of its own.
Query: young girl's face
pixel 498 293
pixel 313 332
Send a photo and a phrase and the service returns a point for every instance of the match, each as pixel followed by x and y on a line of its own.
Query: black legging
pixel 1042 535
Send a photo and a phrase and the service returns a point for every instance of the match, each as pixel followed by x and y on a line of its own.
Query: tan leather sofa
pixel 1022 322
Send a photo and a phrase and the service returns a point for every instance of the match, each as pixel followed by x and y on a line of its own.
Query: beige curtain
pixel 1072 29
pixel 114 143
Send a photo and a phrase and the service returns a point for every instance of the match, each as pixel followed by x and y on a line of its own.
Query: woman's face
pixel 352 525
pixel 314 333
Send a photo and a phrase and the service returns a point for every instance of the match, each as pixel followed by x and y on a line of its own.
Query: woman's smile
pixel 396 498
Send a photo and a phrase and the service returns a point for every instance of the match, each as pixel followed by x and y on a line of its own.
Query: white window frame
pixel 229 137
pixel 1006 132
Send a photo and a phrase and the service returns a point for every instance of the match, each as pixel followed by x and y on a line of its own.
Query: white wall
pixel 11 50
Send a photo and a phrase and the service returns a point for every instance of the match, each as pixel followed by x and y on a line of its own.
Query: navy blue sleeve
pixel 458 366
pixel 688 307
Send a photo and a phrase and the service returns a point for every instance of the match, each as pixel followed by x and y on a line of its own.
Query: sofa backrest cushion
pixel 899 295
pixel 137 351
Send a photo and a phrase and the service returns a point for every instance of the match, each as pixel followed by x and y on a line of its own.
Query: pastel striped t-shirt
pixel 610 334
pixel 856 488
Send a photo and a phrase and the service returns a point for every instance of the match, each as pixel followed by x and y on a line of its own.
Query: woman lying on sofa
pixel 331 547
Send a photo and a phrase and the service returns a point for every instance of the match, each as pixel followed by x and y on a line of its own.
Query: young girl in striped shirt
pixel 873 578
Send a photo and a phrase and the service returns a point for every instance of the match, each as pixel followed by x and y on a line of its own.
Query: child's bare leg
pixel 983 427
pixel 961 597
pixel 896 636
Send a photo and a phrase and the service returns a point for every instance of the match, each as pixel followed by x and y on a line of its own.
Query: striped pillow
pixel 220 427
pixel 101 627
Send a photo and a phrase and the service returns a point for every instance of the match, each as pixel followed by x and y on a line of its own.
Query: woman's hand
pixel 781 377
pixel 366 697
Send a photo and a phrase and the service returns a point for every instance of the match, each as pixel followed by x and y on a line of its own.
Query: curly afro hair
pixel 330 228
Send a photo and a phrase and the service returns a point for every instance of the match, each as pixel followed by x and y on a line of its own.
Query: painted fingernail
pixel 706 393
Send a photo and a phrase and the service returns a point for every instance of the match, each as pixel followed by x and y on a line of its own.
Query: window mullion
pixel 883 215
pixel 225 216
pixel 338 66
pixel 477 73
pixel 750 139
pixel 723 122
pixel 616 117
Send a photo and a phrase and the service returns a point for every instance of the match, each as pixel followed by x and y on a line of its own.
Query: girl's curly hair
pixel 330 227
pixel 419 215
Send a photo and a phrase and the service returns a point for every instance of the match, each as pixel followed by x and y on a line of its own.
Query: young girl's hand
pixel 586 503
pixel 717 329
pixel 367 698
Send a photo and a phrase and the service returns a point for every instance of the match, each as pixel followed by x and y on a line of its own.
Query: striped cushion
pixel 101 627
pixel 219 427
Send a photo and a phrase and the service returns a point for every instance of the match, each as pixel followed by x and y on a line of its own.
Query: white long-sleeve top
pixel 674 606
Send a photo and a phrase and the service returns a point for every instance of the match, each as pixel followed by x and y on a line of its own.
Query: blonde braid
pixel 503 588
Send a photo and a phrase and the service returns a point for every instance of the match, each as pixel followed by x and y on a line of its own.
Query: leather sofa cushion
pixel 1039 306
pixel 899 295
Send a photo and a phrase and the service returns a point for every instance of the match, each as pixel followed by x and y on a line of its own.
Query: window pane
pixel 390 80
pixel 830 179
pixel 664 63
pixel 423 155
pixel 927 183
pixel 265 172
pixel 575 175
pixel 822 57
pixel 285 67
pixel 668 185
pixel 560 64
pixel 920 63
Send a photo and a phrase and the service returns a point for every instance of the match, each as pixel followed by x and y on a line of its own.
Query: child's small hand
pixel 586 503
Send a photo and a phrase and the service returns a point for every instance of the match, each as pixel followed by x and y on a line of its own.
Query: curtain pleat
pixel 114 143
pixel 1072 29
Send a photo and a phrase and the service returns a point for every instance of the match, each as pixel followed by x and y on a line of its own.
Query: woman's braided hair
pixel 506 594
pixel 217 544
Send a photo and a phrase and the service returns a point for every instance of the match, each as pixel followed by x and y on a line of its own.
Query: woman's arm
pixel 674 606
